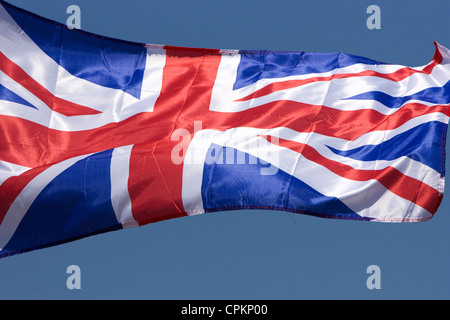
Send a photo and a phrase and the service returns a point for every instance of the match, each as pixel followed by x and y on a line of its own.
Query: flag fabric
pixel 99 134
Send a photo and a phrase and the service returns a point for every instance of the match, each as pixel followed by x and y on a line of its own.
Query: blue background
pixel 252 254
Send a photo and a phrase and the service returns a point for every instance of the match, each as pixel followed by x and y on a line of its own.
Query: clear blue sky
pixel 253 254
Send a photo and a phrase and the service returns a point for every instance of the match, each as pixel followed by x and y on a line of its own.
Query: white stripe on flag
pixel 120 198
pixel 151 84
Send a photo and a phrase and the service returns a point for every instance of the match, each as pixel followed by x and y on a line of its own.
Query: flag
pixel 100 134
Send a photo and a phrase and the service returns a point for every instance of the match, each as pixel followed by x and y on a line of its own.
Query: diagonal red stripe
pixel 289 84
pixel 57 104
pixel 391 178
pixel 396 76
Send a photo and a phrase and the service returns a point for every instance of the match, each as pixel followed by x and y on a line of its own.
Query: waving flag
pixel 99 134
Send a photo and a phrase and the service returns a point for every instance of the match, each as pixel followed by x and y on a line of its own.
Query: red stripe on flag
pixel 323 120
pixel 29 144
pixel 437 59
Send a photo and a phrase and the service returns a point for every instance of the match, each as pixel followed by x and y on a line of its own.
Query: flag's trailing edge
pixel 98 134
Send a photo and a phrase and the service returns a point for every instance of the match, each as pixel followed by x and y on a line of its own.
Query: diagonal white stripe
pixel 25 199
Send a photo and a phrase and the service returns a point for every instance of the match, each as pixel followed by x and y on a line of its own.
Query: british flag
pixel 99 134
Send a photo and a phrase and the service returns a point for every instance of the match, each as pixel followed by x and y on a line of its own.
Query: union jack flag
pixel 99 134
